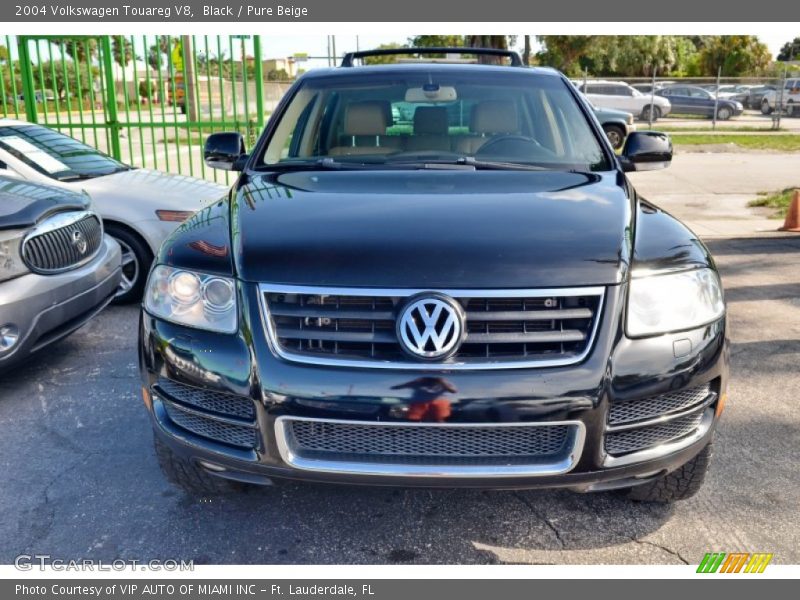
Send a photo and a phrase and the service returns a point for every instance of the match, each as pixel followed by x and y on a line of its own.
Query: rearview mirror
pixel 225 151
pixel 646 151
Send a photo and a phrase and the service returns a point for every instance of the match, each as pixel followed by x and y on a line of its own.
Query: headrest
pixel 366 118
pixel 495 116
pixel 430 120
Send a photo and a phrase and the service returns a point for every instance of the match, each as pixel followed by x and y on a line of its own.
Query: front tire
pixel 136 260
pixel 766 109
pixel 188 476
pixel 792 110
pixel 680 484
pixel 724 113
pixel 616 135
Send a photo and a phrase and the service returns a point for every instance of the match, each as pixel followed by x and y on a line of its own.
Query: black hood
pixel 23 204
pixel 432 229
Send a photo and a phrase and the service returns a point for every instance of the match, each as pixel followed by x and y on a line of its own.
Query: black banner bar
pixel 460 11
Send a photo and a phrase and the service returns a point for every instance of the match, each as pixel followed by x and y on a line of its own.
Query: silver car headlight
pixel 629 119
pixel 673 302
pixel 193 299
pixel 11 263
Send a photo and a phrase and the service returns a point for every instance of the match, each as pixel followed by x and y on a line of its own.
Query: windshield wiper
pixel 498 165
pixel 322 163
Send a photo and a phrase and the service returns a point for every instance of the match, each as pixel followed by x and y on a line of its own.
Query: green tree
pixel 441 41
pixel 78 48
pixel 62 76
pixel 736 55
pixel 122 49
pixel 3 53
pixel 567 53
pixel 384 60
pixel 790 51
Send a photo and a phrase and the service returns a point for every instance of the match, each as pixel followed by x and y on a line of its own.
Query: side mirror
pixel 646 151
pixel 225 151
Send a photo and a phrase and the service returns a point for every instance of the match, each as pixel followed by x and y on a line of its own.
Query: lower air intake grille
pixel 631 411
pixel 425 444
pixel 242 436
pixel 633 440
pixel 216 402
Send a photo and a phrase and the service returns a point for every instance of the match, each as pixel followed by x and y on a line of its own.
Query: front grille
pixel 502 329
pixel 242 436
pixel 631 411
pixel 633 440
pixel 217 416
pixel 63 241
pixel 216 402
pixel 403 443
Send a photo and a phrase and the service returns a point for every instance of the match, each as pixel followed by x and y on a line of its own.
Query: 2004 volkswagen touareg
pixel 435 275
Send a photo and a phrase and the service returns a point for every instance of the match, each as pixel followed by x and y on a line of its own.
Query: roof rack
pixel 351 57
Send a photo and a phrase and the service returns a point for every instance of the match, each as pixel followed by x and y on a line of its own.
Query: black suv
pixel 435 274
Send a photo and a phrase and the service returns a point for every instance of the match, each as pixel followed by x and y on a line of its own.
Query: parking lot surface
pixel 80 479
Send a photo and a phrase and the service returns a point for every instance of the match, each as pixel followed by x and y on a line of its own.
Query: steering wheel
pixel 512 145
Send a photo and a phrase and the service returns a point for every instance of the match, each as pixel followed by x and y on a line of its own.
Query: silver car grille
pixel 63 241
pixel 447 449
pixel 503 328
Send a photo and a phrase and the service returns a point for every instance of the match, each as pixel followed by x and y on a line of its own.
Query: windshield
pixel 484 118
pixel 56 155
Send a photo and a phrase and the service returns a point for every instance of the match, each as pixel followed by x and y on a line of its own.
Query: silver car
pixel 57 267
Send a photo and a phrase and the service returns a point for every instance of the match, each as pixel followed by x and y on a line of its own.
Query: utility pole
pixel 189 84
pixel 716 100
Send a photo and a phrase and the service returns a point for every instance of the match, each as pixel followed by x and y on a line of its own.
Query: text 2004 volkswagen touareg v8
pixel 435 275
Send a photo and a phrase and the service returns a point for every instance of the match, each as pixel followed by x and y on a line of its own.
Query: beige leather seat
pixel 488 119
pixel 430 129
pixel 365 125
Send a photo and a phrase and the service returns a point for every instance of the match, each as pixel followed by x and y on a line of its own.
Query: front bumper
pixel 47 308
pixel 617 369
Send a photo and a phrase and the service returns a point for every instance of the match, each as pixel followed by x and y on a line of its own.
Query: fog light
pixel 9 336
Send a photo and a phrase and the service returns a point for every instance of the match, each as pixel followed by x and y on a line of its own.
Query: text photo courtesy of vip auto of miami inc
pixel 388 299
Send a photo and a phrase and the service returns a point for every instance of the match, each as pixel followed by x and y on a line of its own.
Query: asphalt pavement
pixel 80 479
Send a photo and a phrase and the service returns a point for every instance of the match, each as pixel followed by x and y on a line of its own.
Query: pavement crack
pixel 661 547
pixel 542 518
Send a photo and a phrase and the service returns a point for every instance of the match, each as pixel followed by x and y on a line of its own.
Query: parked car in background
pixel 620 96
pixel 646 88
pixel 787 98
pixel 616 123
pixel 694 100
pixel 139 207
pixel 756 94
pixel 57 268
pixel 481 305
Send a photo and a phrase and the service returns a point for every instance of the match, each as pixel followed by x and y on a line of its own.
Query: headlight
pixel 629 119
pixel 193 299
pixel 674 302
pixel 11 264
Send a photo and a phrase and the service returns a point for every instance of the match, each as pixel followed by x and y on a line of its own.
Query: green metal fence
pixel 149 101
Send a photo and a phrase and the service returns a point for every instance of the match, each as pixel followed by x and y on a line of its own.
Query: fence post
pixel 259 77
pixel 112 122
pixel 26 74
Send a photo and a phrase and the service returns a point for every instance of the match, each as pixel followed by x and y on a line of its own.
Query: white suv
pixel 789 99
pixel 620 96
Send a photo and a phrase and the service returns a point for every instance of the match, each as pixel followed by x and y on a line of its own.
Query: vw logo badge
pixel 431 327
pixel 79 241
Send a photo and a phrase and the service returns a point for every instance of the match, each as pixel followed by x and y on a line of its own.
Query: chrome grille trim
pixel 48 249
pixel 455 364
pixel 643 409
pixel 549 465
